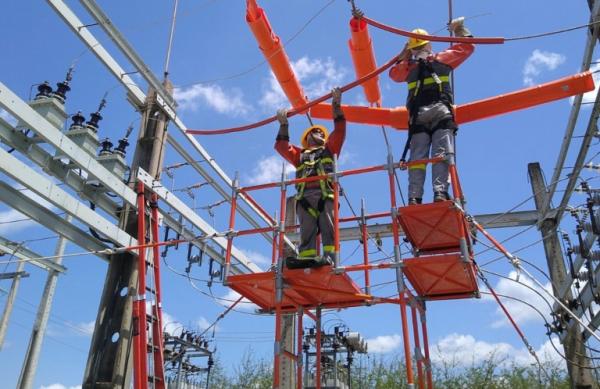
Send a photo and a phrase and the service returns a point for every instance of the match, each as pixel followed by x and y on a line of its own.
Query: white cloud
pixel 8 221
pixel 224 102
pixel 245 304
pixel 203 323
pixel 464 350
pixel 269 170
pixel 317 76
pixel 86 328
pixel 384 344
pixel 8 117
pixel 522 313
pixel 257 257
pixel 171 324
pixel 60 386
pixel 590 97
pixel 539 61
pixel 461 350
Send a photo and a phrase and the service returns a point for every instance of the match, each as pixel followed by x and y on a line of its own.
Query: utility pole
pixel 10 299
pixel 578 363
pixel 109 359
pixel 41 320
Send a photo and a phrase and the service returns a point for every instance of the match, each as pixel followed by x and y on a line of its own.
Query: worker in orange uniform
pixel 314 200
pixel 431 123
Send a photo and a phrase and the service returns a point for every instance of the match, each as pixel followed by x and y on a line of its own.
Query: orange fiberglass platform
pixel 441 271
pixel 303 288
pixel 444 268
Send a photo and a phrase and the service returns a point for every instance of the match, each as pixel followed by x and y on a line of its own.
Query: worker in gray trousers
pixel 430 105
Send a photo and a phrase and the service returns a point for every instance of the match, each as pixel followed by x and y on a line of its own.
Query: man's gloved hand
pixel 283 133
pixel 336 102
pixel 405 54
pixel 282 116
pixel 457 26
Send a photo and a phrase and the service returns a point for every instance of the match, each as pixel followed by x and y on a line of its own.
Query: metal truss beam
pixel 171 200
pixel 37 123
pixel 34 210
pixel 22 252
pixel 495 220
pixel 8 276
pixel 114 34
pixel 57 168
pixel 573 116
pixel 52 193
pixel 51 165
pixel 138 96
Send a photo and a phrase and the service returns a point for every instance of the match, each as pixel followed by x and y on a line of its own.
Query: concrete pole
pixel 578 364
pixel 109 362
pixel 41 320
pixel 10 301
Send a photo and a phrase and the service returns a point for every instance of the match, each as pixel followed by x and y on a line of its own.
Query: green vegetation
pixel 386 373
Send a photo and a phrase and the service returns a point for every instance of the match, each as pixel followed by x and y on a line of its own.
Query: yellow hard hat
pixel 416 42
pixel 306 132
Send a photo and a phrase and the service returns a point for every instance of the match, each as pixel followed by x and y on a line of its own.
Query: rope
pixel 222 315
pixel 300 109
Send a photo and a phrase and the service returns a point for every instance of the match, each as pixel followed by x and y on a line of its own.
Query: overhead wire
pixel 299 109
pixel 253 68
pixel 546 324
pixel 515 263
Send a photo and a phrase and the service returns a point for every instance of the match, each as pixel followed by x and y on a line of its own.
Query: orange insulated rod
pixel 477 110
pixel 272 49
pixel 361 49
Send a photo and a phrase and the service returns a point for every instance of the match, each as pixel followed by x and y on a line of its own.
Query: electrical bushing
pixel 106 145
pixel 44 90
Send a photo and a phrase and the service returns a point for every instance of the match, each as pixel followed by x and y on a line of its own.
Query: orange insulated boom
pixel 272 49
pixel 361 49
pixel 477 110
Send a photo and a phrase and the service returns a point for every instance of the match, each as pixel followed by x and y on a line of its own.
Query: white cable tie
pixel 139 297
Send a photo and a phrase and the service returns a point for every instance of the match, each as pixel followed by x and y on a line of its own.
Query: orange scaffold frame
pixel 281 290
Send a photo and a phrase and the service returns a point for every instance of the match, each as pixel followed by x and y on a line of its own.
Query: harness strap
pixel 429 81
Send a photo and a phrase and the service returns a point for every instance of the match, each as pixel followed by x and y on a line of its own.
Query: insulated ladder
pixel 148 362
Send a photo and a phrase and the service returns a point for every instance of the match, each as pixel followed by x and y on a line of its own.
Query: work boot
pixel 299 263
pixel 325 260
pixel 440 196
pixel 415 200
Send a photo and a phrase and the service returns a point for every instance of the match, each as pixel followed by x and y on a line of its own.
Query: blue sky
pixel 222 81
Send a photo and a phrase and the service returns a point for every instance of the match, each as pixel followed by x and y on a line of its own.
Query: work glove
pixel 404 55
pixel 336 101
pixel 283 133
pixel 457 26
pixel 282 116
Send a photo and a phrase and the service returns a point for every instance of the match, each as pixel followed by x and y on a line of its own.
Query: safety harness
pixel 428 83
pixel 315 162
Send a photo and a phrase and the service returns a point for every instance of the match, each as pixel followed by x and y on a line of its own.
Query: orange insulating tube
pixel 477 110
pixel 272 49
pixel 361 49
